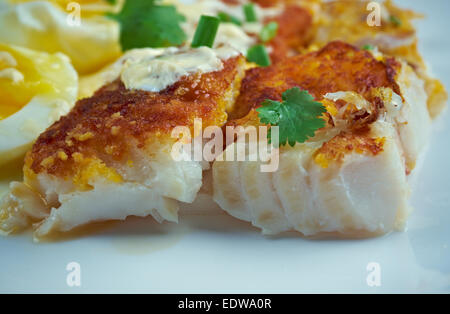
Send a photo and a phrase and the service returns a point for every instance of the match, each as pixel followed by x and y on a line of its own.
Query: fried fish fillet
pixel 395 35
pixel 110 157
pixel 350 179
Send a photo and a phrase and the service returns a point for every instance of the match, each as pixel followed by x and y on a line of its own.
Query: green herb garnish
pixel 395 20
pixel 227 18
pixel 249 12
pixel 268 32
pixel 144 23
pixel 258 55
pixel 206 31
pixel 298 116
pixel 368 47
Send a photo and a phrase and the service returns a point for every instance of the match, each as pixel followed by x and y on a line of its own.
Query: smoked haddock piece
pixel 110 157
pixel 350 179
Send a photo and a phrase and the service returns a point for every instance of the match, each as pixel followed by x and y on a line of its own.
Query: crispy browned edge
pixel 115 117
pixel 336 67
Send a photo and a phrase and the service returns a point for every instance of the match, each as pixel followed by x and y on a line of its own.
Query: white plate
pixel 216 253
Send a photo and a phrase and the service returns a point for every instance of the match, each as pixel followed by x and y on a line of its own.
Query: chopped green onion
pixel 250 13
pixel 206 31
pixel 368 47
pixel 395 20
pixel 258 55
pixel 227 18
pixel 268 32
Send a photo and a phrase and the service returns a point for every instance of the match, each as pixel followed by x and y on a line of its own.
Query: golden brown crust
pixel 336 67
pixel 294 32
pixel 107 123
pixel 347 20
pixel 345 143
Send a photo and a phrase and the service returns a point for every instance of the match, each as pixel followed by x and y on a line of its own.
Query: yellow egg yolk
pixel 89 7
pixel 21 78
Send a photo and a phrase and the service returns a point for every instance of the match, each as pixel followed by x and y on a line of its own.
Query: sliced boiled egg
pixel 87 6
pixel 36 88
pixel 91 42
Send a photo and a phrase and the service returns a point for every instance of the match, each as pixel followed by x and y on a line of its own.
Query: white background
pixel 216 253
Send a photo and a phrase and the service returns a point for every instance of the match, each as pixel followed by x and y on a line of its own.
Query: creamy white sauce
pixel 154 74
pixel 156 69
pixel 229 33
pixel 91 83
pixel 111 72
pixel 234 36
pixel 192 11
pixel 252 27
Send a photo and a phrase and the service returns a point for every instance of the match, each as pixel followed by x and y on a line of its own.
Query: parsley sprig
pixel 298 116
pixel 368 47
pixel 395 21
pixel 268 32
pixel 145 23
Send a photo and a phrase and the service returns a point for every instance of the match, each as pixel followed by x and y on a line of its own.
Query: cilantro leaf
pixel 228 18
pixel 144 23
pixel 298 116
pixel 268 32
pixel 368 47
pixel 395 20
